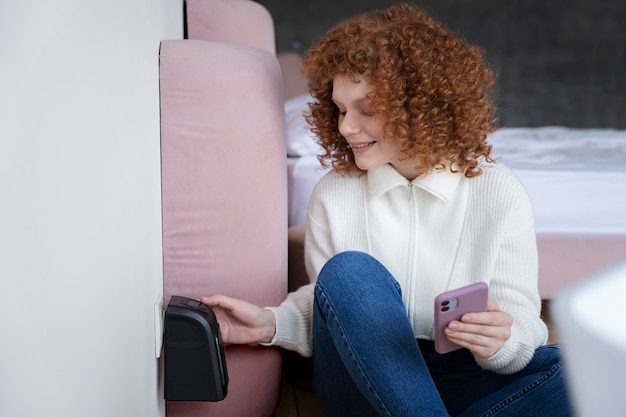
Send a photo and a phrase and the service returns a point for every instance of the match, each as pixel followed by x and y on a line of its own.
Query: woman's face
pixel 363 130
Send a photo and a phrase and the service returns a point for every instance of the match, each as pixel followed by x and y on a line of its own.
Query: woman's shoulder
pixel 336 194
pixel 496 174
pixel 334 181
pixel 499 186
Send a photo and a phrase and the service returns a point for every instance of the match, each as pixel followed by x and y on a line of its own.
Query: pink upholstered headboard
pixel 242 22
pixel 294 81
pixel 225 197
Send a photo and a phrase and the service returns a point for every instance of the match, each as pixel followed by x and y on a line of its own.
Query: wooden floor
pixel 298 400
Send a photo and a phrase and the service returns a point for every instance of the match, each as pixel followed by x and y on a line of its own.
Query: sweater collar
pixel 441 184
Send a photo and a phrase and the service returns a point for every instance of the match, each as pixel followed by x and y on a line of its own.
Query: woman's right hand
pixel 242 322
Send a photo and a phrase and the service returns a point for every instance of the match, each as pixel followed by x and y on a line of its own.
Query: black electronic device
pixel 195 365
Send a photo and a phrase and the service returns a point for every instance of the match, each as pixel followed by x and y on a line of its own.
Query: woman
pixel 414 206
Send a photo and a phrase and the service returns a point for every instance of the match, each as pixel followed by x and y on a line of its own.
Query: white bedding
pixel 576 178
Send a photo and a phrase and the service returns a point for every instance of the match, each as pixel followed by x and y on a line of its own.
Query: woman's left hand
pixel 482 333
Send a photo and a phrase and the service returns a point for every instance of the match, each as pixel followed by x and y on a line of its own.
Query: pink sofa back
pixel 242 22
pixel 567 258
pixel 293 79
pixel 224 192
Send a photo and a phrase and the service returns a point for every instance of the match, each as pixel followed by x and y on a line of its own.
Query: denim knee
pixel 545 358
pixel 351 270
pixel 346 262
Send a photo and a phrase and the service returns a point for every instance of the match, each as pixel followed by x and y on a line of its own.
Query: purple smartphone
pixel 451 305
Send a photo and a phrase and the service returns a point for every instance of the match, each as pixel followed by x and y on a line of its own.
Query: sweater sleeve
pixel 514 287
pixel 294 316
pixel 517 295
pixel 293 321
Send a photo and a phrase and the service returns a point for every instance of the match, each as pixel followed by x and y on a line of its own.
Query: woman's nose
pixel 348 125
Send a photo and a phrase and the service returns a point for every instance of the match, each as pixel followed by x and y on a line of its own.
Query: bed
pixel 576 179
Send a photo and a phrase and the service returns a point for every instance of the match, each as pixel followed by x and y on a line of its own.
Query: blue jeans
pixel 368 363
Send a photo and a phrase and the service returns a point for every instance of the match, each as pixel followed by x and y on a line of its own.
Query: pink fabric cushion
pixel 243 22
pixel 567 258
pixel 225 198
pixel 293 79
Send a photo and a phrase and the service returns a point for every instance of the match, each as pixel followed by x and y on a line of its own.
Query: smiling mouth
pixel 362 145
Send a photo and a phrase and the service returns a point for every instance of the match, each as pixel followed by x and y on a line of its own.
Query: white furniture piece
pixel 589 316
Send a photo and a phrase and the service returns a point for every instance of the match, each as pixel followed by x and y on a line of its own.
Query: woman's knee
pixel 547 359
pixel 548 355
pixel 351 265
pixel 352 270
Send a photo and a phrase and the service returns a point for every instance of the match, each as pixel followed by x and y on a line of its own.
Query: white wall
pixel 80 226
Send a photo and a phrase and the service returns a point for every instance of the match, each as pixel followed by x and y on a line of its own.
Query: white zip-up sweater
pixel 436 233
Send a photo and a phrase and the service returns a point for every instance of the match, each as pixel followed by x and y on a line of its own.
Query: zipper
pixel 411 281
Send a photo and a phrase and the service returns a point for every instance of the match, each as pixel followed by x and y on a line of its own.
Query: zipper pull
pixel 410 191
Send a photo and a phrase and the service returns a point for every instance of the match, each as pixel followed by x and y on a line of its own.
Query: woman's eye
pixel 363 112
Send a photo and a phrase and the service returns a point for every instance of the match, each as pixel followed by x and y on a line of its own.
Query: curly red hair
pixel 432 89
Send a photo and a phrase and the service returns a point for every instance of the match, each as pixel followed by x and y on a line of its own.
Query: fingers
pixel 218 300
pixel 242 322
pixel 482 333
pixel 492 306
pixel 481 346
